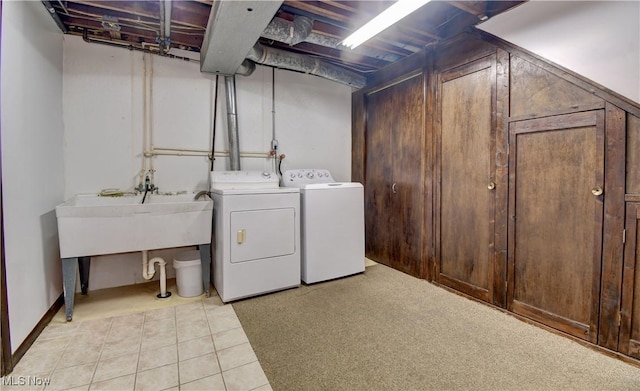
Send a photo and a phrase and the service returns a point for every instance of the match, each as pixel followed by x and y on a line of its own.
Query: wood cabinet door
pixel 556 208
pixel 378 177
pixel 394 179
pixel 465 189
pixel 630 313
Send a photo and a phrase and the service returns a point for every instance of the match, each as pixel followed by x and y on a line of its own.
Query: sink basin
pixel 94 225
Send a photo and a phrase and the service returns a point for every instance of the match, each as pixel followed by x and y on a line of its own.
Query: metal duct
pixel 233 28
pixel 246 68
pixel 285 31
pixel 306 64
pixel 300 30
pixel 232 123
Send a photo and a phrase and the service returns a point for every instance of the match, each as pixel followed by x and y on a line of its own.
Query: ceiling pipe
pixel 301 30
pixel 288 32
pixel 232 123
pixel 164 39
pixel 246 68
pixel 306 64
pixel 167 21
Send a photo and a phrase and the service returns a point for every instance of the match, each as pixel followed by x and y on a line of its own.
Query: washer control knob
pixel 310 175
pixel 266 174
pixel 299 175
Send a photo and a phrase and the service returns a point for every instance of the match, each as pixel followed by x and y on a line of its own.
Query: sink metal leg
pixel 69 269
pixel 84 263
pixel 205 261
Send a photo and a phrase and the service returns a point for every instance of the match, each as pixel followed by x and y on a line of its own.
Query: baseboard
pixel 33 335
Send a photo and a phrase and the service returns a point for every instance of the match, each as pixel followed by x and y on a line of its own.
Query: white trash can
pixel 188 273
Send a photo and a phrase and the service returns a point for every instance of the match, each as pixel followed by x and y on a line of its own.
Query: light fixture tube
pixel 391 15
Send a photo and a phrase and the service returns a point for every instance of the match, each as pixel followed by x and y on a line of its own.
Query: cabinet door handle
pixel 491 186
pixel 393 188
pixel 596 191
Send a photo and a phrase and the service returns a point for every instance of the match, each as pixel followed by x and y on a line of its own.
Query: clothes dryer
pixel 332 224
pixel 256 245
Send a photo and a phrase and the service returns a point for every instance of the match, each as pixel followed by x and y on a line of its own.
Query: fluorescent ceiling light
pixel 397 11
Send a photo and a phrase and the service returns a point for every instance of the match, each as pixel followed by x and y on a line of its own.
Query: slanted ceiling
pixel 143 25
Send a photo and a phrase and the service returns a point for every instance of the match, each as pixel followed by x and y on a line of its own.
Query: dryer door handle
pixel 241 236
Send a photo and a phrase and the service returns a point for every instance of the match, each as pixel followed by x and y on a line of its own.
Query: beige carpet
pixel 384 330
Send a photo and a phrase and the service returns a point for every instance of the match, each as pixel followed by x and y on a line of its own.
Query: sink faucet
pixel 147 184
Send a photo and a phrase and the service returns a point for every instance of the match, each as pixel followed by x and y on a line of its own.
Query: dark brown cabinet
pixel 630 312
pixel 394 179
pixel 499 175
pixel 556 174
pixel 466 182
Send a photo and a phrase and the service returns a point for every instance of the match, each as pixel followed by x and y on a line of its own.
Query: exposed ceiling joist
pixel 141 25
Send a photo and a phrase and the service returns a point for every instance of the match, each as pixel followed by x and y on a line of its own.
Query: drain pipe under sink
pixel 149 270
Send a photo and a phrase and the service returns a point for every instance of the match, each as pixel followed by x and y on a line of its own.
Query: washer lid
pixel 244 180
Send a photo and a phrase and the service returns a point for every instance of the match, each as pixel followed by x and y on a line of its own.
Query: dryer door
pixel 266 233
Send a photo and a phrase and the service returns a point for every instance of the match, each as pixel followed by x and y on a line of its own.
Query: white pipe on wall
pixel 149 270
pixel 144 119
pixel 151 169
pixel 200 152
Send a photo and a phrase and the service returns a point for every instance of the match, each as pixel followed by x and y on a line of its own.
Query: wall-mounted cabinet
pixel 630 309
pixel 630 313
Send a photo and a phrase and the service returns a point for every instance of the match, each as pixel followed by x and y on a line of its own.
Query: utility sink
pixel 94 225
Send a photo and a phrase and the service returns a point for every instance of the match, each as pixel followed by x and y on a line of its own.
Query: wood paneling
pixel 555 245
pixel 501 179
pixel 562 73
pixel 358 147
pixel 431 87
pixel 630 312
pixel 462 49
pixel 394 189
pixel 536 92
pixel 633 154
pixel 397 70
pixel 466 159
pixel 613 226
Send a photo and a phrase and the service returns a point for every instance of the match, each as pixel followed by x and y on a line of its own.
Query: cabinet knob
pixel 393 188
pixel 596 191
pixel 491 186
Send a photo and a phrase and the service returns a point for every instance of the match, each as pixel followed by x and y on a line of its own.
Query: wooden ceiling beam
pixel 147 9
pixel 314 8
pixel 469 7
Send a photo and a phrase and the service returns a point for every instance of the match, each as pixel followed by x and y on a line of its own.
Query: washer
pixel 332 224
pixel 256 229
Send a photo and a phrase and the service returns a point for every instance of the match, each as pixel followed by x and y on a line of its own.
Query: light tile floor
pixel 199 345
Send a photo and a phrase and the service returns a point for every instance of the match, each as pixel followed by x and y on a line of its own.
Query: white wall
pixel 103 112
pixel 32 161
pixel 597 39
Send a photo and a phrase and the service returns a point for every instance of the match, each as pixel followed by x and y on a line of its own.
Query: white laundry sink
pixel 94 225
